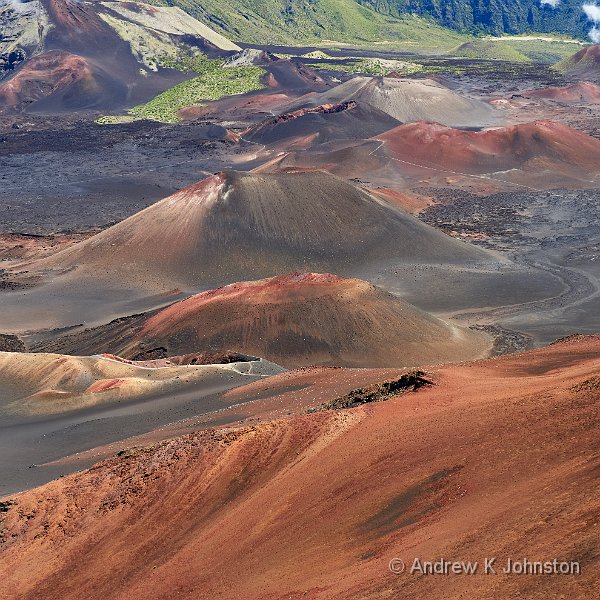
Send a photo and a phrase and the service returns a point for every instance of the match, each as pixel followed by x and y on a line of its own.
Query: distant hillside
pixel 289 21
pixel 282 22
pixel 493 16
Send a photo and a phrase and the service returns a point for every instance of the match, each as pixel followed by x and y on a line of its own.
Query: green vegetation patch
pixel 116 119
pixel 322 22
pixel 214 81
pixel 367 66
pixel 518 49
pixel 481 49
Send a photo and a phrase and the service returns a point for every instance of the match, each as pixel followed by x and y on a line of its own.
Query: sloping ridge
pixel 582 91
pixel 346 120
pixel 294 320
pixel 169 19
pixel 61 80
pixel 47 383
pixel 408 100
pixel 539 145
pixel 316 505
pixel 288 75
pixel 232 226
pixel 97 54
pixel 584 64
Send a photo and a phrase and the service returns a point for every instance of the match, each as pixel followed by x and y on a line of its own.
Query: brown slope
pixel 584 91
pixel 236 225
pixel 284 80
pixel 499 458
pixel 248 108
pixel 537 146
pixel 288 75
pixel 294 320
pixel 347 120
pixel 407 100
pixel 61 79
pixel 110 65
pixel 583 65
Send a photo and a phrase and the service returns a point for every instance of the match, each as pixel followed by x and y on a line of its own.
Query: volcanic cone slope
pixel 294 320
pixel 234 225
pixel 536 146
pixel 582 91
pixel 320 124
pixel 408 100
pixel 58 79
pixel 69 55
pixel 584 64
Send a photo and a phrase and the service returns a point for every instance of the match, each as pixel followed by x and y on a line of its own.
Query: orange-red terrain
pixel 269 383
pixel 57 74
pixel 293 320
pixel 497 459
pixel 541 154
pixel 583 91
pixel 74 58
pixel 536 146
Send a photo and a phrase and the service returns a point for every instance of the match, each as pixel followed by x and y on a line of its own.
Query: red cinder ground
pixel 294 320
pixel 498 458
pixel 55 71
pixel 583 91
pixel 536 145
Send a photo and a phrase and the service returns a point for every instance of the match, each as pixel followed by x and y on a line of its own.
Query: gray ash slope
pixel 558 232
pixel 346 120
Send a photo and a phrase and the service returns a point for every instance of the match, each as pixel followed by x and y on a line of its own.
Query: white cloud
pixel 594 34
pixel 552 3
pixel 592 12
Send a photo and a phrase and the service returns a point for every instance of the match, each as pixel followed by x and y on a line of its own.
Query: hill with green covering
pixel 493 16
pixel 423 25
pixel 316 21
pixel 516 49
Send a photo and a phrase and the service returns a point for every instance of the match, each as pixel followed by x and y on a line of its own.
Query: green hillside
pixel 425 26
pixel 493 16
pixel 517 49
pixel 322 22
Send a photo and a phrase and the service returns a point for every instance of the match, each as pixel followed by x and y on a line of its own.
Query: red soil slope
pixel 537 146
pixel 284 80
pixel 497 459
pixel 247 107
pixel 81 62
pixel 288 75
pixel 55 73
pixel 584 64
pixel 584 91
pixel 294 320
